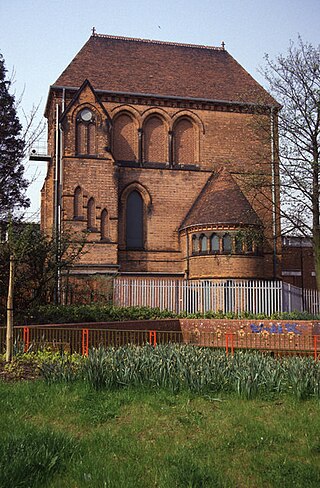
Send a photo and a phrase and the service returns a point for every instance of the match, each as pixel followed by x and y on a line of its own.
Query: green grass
pixel 68 435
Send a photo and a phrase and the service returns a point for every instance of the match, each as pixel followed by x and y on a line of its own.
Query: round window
pixel 86 115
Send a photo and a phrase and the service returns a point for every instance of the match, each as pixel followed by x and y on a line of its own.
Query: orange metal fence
pixel 80 339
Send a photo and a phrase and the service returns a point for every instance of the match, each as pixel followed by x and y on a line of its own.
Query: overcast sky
pixel 38 38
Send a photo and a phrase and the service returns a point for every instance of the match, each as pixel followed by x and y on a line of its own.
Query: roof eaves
pixel 173 97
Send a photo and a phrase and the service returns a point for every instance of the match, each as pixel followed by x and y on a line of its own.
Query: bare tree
pixel 294 80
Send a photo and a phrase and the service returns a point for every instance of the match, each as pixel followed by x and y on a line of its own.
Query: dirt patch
pixel 18 371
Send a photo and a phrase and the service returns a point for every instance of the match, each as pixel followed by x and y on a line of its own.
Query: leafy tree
pixel 12 145
pixel 35 263
pixel 294 81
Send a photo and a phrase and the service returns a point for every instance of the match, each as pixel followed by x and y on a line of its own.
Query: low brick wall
pixel 265 326
pixel 255 334
pixel 267 335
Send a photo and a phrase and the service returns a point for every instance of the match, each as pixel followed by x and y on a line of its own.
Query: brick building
pixel 298 262
pixel 155 150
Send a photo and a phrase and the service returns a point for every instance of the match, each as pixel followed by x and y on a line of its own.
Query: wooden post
pixel 9 338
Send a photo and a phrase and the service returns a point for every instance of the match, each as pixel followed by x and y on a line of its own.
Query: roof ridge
pixel 154 41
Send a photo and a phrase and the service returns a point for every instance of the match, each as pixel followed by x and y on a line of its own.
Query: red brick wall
pixel 219 138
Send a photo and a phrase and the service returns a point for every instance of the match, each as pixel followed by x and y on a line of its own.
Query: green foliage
pixel 195 369
pixel 36 265
pixel 60 314
pixel 63 368
pixel 96 312
pixel 12 181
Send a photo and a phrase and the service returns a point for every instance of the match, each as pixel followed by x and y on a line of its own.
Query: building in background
pixel 298 262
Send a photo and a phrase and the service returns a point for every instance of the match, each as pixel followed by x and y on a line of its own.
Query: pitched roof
pixel 221 202
pixel 140 66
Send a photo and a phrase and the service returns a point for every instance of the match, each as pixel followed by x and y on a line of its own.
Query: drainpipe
pixel 273 196
pixel 60 159
pixel 140 142
pixel 60 294
pixel 56 219
pixel 170 149
pixel 187 271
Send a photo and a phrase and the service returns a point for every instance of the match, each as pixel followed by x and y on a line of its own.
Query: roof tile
pixel 129 65
pixel 221 202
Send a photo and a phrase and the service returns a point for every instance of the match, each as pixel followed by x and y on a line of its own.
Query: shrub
pixel 63 314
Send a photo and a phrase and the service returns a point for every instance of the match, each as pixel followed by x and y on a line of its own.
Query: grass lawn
pixel 71 436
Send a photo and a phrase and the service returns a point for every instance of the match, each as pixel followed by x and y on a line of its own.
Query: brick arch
pixel 189 115
pixel 149 112
pixel 135 185
pixel 125 136
pixel 155 139
pixel 77 109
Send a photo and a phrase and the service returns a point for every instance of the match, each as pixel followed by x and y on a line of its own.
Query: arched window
pixel 249 244
pixel 134 221
pixel 78 203
pixel 155 145
pixel 86 133
pixel 227 243
pixel 238 244
pixel 125 142
pixel 203 243
pixel 184 141
pixel 104 225
pixel 91 214
pixel 195 244
pixel 214 243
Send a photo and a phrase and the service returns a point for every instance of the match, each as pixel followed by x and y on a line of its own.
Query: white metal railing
pixel 312 301
pixel 177 295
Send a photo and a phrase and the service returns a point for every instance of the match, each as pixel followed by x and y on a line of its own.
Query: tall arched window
pixel 134 221
pixel 78 203
pixel 104 225
pixel 155 145
pixel 125 142
pixel 227 243
pixel 86 133
pixel 91 214
pixel 184 141
pixel 214 243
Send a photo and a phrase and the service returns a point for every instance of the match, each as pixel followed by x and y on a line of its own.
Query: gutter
pixel 162 97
